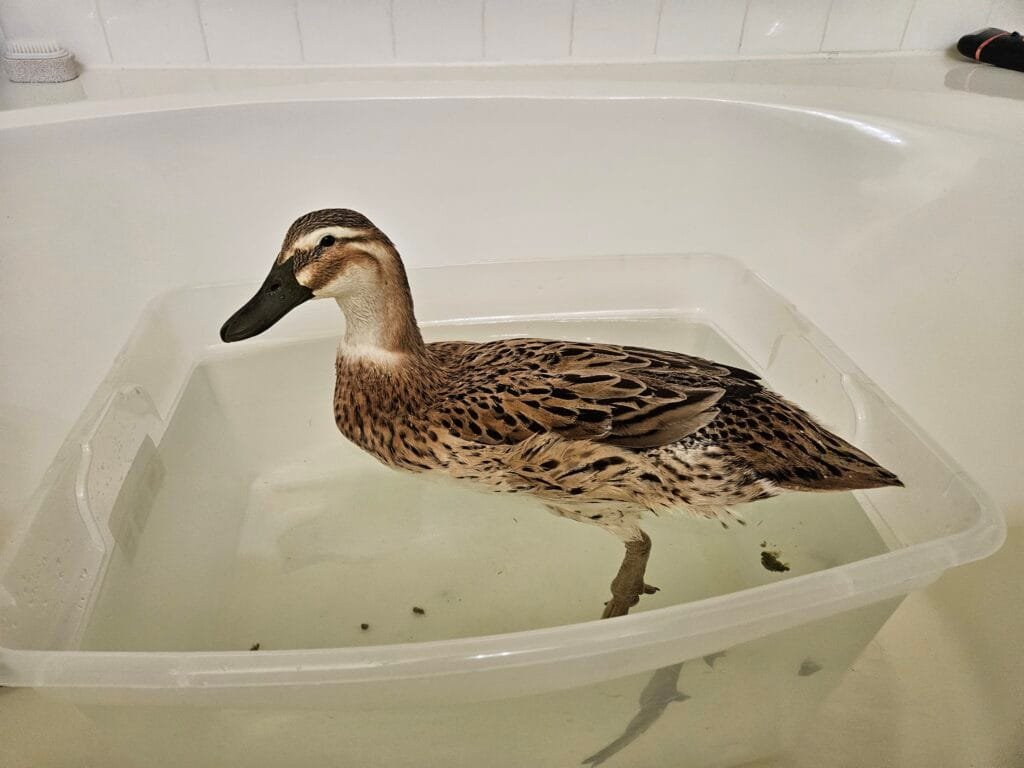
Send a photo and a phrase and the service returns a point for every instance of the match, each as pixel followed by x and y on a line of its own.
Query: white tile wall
pixel 518 30
pixel 1008 15
pixel 153 32
pixel 940 23
pixel 615 29
pixel 700 27
pixel 75 24
pixel 242 33
pixel 251 32
pixel 784 26
pixel 352 32
pixel 866 25
pixel 439 30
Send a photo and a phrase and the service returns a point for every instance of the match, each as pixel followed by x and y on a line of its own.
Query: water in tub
pixel 268 528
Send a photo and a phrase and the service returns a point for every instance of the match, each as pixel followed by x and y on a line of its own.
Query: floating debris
pixel 809 667
pixel 364 626
pixel 254 647
pixel 770 561
pixel 417 610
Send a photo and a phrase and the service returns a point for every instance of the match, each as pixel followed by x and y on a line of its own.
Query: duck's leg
pixel 628 584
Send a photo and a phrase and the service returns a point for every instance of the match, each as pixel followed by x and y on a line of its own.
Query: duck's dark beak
pixel 279 294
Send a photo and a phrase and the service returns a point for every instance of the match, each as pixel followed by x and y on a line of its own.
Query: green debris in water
pixel 770 561
pixel 809 667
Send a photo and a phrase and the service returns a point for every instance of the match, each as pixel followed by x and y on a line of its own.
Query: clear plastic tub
pixel 205 503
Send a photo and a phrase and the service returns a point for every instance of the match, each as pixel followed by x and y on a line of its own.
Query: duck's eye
pixel 326 241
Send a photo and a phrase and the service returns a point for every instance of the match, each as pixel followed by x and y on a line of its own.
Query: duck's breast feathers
pixel 506 391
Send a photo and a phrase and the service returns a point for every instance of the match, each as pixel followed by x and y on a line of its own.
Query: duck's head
pixel 331 253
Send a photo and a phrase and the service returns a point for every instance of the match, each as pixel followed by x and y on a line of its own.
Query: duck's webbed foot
pixel 628 584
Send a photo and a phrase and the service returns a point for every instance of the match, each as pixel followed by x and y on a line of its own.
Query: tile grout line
pixel 657 26
pixel 743 28
pixel 906 26
pixel 391 21
pixel 991 12
pixel 483 30
pixel 202 29
pixel 298 31
pixel 572 28
pixel 103 27
pixel 824 28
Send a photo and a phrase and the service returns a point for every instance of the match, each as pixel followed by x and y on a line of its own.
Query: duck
pixel 602 434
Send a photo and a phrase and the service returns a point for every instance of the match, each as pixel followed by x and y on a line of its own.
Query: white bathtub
pixel 894 235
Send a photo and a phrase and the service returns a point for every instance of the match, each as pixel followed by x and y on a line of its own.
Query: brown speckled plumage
pixel 583 424
pixel 600 433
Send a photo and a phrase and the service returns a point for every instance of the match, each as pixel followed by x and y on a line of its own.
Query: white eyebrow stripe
pixel 310 239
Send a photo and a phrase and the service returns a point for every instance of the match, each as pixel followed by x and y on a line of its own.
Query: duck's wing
pixel 504 392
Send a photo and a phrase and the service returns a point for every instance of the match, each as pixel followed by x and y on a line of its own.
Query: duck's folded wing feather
pixel 627 396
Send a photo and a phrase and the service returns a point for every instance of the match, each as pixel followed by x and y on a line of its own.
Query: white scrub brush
pixel 32 61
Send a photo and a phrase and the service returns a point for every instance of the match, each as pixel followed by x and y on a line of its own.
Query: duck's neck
pixel 381 321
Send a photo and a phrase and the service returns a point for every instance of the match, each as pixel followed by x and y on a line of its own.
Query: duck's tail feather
pixel 839 467
pixel 808 457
